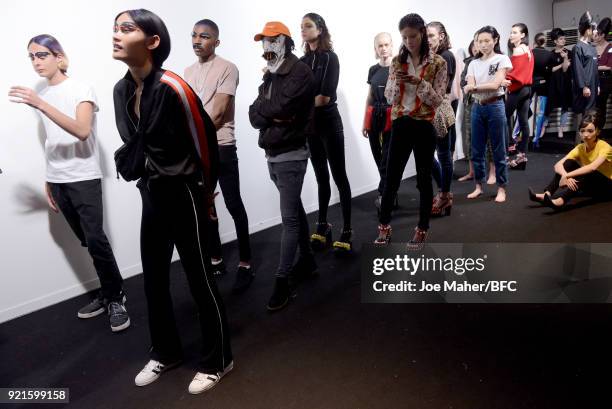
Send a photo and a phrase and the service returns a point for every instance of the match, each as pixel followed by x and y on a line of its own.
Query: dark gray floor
pixel 328 350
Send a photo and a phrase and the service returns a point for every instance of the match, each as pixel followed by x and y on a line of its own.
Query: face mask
pixel 274 52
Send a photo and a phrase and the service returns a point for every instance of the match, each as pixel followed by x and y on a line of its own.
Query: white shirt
pixel 409 97
pixel 68 158
pixel 484 71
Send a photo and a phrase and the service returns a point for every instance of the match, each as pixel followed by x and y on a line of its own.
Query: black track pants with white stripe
pixel 174 213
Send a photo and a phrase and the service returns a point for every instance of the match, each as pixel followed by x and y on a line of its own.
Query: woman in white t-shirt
pixel 485 79
pixel 67 110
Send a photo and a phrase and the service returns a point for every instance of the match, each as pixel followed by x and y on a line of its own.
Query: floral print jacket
pixel 429 93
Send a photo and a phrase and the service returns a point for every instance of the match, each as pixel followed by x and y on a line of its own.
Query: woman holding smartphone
pixel 416 87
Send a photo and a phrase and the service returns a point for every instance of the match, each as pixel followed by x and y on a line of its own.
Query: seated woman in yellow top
pixel 585 171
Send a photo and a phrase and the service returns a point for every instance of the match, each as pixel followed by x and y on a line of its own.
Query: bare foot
pixel 477 192
pixel 492 179
pixel 501 195
pixel 464 178
pixel 558 201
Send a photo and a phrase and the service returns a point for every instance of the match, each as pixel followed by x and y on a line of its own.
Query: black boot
pixel 304 268
pixel 280 296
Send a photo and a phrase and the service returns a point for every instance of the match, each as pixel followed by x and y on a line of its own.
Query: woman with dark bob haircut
pixel 170 147
pixel 585 171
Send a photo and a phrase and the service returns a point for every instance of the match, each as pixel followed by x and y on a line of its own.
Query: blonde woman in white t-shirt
pixel 67 110
pixel 485 81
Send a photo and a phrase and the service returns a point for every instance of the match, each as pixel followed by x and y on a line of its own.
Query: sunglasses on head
pixel 41 55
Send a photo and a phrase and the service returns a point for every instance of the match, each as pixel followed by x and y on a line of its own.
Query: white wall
pixel 567 12
pixel 41 262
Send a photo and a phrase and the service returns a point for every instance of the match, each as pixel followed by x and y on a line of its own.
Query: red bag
pixel 367 122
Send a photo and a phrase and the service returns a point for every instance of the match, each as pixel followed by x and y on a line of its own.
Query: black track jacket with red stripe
pixel 180 139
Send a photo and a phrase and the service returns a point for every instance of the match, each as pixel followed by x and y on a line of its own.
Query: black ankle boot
pixel 281 294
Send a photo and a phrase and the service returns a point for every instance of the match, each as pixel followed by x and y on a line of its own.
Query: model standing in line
pixel 585 171
pixel 327 143
pixel 416 88
pixel 439 43
pixel 584 69
pixel 377 122
pixel 485 78
pixel 560 85
pixel 604 65
pixel 542 66
pixel 215 80
pixel 519 92
pixel 170 146
pixel 74 178
pixel 283 112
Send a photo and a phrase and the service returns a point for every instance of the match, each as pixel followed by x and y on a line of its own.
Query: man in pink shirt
pixel 215 80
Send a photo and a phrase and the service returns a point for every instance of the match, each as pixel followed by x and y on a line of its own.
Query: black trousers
pixel 409 135
pixel 229 181
pixel 594 184
pixel 327 146
pixel 174 213
pixel 379 143
pixel 81 205
pixel 519 101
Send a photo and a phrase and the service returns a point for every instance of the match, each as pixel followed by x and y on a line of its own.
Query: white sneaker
pixel 203 381
pixel 151 372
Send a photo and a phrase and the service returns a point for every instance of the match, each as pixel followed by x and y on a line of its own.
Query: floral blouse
pixel 430 91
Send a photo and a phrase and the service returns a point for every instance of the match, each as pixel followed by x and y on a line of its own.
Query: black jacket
pixel 179 138
pixel 288 97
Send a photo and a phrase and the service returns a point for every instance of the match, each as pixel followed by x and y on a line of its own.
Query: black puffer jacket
pixel 283 111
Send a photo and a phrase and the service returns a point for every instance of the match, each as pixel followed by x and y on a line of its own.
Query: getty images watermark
pixel 488 272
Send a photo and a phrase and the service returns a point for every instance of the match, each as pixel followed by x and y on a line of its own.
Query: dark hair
pixel 591 117
pixel 209 23
pixel 604 26
pixel 289 45
pixel 50 42
pixel 152 25
pixel 525 40
pixel 470 48
pixel 539 39
pixel 585 23
pixel 445 42
pixel 416 22
pixel 556 32
pixel 325 42
pixel 493 32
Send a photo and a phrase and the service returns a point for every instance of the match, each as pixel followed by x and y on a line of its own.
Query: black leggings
pixel 519 101
pixel 594 184
pixel 327 145
pixel 410 135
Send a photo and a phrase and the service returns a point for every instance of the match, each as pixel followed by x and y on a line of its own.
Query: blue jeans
pixel 442 170
pixel 489 120
pixel 540 118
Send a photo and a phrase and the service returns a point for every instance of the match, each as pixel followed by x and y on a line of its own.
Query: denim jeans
pixel 442 170
pixel 288 178
pixel 489 120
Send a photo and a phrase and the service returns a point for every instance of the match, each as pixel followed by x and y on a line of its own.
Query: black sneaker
pixel 93 309
pixel 281 295
pixel 244 278
pixel 119 319
pixel 304 268
pixel 219 268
